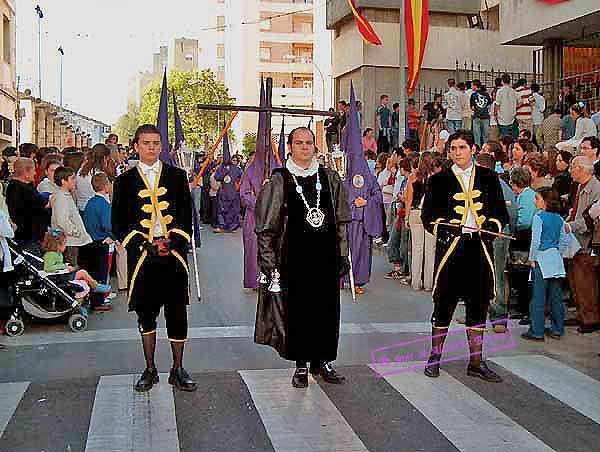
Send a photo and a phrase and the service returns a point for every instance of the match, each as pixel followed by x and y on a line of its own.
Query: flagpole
pixel 402 59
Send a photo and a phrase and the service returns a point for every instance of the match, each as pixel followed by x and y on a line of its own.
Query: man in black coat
pixel 151 217
pixel 469 197
pixel 301 219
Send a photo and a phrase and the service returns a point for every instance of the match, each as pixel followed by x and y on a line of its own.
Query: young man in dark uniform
pixel 151 217
pixel 471 198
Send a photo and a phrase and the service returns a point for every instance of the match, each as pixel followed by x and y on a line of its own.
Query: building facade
pixel 46 124
pixel 185 54
pixel 278 39
pixel 460 30
pixel 8 75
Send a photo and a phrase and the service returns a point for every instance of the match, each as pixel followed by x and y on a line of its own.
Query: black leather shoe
pixel 300 378
pixel 182 380
pixel 483 372
pixel 432 369
pixel 148 379
pixel 328 374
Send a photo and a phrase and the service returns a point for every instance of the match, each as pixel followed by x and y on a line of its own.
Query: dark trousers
pixel 383 143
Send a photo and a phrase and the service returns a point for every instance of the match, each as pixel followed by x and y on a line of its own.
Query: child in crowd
pixel 65 215
pixel 548 241
pixel 54 245
pixel 96 218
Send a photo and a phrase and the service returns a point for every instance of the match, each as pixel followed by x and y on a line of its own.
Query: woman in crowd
pixel 538 167
pixel 584 127
pixel 563 181
pixel 47 186
pixel 520 182
pixel 369 143
pixel 97 162
pixel 423 243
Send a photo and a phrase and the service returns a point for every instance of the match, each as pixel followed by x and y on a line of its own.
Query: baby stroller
pixel 28 291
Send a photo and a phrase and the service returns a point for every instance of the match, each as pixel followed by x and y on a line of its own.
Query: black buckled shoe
pixel 148 379
pixel 432 369
pixel 182 380
pixel 483 372
pixel 328 373
pixel 300 378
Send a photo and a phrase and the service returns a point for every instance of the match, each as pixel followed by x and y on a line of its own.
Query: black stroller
pixel 28 291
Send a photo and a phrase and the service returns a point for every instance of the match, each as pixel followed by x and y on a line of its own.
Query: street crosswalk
pixel 543 405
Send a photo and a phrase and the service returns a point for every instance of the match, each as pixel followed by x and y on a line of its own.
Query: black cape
pixel 445 201
pixel 132 222
pixel 302 321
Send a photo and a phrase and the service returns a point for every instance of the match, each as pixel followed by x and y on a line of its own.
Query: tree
pixel 126 125
pixel 249 144
pixel 197 125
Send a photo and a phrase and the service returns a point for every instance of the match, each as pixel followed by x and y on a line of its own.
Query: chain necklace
pixel 315 215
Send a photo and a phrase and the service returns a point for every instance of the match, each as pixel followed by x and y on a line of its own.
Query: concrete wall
pixel 8 73
pixel 521 18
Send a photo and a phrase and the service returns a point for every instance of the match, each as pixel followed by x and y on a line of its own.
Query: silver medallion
pixel 315 217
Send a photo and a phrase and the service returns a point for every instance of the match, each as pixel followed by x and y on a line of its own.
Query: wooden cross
pixel 269 109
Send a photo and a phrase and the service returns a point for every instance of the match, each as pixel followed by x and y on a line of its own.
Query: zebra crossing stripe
pixel 299 419
pixel 573 388
pixel 469 422
pixel 126 421
pixel 10 396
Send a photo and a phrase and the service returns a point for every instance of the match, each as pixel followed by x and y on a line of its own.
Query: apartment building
pixel 272 38
pixel 8 74
pixel 185 54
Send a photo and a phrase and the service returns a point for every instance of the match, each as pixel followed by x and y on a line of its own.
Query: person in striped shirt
pixel 525 102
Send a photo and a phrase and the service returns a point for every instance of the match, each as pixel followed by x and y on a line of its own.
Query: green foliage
pixel 249 143
pixel 197 125
pixel 126 125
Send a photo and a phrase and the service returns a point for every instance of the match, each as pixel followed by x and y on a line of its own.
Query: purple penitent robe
pixel 248 200
pixel 228 197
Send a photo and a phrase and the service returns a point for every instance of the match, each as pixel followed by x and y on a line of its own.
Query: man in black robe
pixel 301 219
pixel 469 197
pixel 151 217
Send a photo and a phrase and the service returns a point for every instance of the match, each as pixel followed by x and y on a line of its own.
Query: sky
pixel 105 42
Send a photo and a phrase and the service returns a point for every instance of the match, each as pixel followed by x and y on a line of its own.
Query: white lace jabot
pixel 301 172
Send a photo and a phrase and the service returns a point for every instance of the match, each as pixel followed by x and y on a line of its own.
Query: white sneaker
pixel 111 296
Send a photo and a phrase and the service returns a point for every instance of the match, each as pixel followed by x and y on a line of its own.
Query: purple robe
pixel 228 197
pixel 248 200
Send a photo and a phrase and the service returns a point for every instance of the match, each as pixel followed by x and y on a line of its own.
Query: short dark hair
pixel 594 143
pixel 405 164
pixel 27 150
pixel 367 130
pixel 383 96
pixel 461 85
pixel 505 78
pixel 111 135
pixel 498 82
pixel 526 133
pixel 451 82
pixel 551 198
pixel 411 144
pixel 290 139
pixel 521 82
pixel 462 135
pixel 520 176
pixel 396 105
pixel 476 83
pixel 62 173
pixel 99 182
pixel 145 128
pixel 535 87
pixel 495 149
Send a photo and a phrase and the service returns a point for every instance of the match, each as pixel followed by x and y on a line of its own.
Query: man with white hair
pixel 582 267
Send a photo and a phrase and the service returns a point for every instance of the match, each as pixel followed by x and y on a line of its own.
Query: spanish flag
pixel 416 21
pixel 364 27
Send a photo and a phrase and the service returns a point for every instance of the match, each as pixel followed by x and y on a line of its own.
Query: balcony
pixel 292 96
pixel 285 7
pixel 306 68
pixel 291 38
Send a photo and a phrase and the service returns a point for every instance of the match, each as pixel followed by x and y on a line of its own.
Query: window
pixel 189 57
pixel 265 24
pixel 265 54
pixel 5 126
pixel 220 50
pixel 6 41
pixel 220 23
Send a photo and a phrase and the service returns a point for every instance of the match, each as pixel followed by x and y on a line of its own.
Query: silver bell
pixel 262 278
pixel 275 286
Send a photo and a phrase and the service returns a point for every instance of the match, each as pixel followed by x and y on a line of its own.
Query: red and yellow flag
pixel 364 27
pixel 416 21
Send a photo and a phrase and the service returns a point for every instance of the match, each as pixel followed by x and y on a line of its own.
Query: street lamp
pixel 40 15
pixel 62 53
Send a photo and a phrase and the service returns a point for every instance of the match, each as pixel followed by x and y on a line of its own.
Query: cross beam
pixel 269 109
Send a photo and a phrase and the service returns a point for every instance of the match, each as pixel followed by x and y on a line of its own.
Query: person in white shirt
pixel 506 108
pixel 453 105
pixel 537 113
pixel 584 127
pixel 467 113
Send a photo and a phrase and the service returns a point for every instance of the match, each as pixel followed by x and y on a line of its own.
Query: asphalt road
pixel 63 391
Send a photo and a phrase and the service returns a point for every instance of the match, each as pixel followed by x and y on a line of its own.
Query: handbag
pixel 271 320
